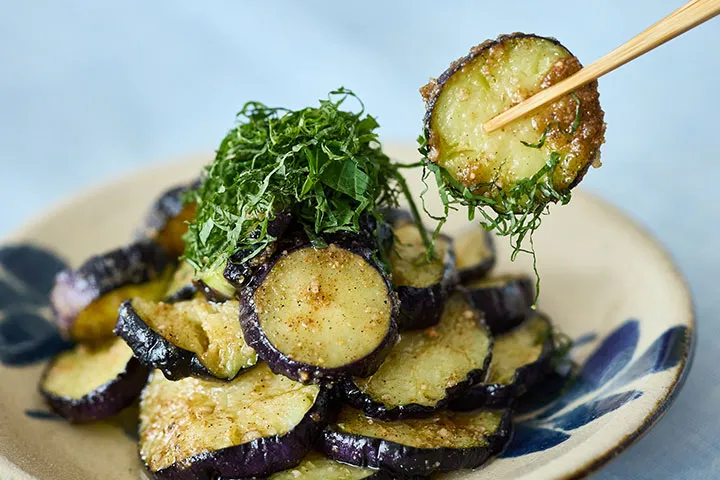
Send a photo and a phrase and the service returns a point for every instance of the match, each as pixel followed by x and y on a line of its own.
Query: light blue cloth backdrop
pixel 88 92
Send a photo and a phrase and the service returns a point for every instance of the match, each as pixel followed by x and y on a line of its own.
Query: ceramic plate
pixel 605 282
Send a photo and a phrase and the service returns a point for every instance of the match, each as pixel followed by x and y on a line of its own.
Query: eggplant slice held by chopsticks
pixel 256 425
pixel 85 301
pixel 93 382
pixel 427 368
pixel 193 337
pixel 321 313
pixel 494 76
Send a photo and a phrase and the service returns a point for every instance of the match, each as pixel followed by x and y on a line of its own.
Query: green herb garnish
pixel 323 164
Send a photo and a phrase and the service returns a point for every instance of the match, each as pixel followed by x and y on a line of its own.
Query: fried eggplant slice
pixel 93 382
pixel 422 284
pixel 321 313
pixel 521 359
pixel 445 442
pixel 475 252
pixel 493 77
pixel 427 368
pixel 85 301
pixel 192 337
pixel 505 300
pixel 256 425
pixel 166 221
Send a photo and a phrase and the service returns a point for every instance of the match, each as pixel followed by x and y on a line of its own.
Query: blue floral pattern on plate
pixel 600 387
pixel 545 419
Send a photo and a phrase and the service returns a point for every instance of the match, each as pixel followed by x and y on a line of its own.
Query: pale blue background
pixel 89 92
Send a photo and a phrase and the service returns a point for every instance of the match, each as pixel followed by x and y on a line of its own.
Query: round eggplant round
pixel 505 300
pixel 188 338
pixel 316 466
pixel 256 425
pixel 181 285
pixel 445 442
pixel 85 300
pixel 166 221
pixel 318 314
pixel 521 359
pixel 427 369
pixel 422 285
pixel 493 77
pixel 475 252
pixel 93 382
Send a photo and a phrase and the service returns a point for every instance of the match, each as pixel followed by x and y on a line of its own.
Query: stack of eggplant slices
pixel 338 355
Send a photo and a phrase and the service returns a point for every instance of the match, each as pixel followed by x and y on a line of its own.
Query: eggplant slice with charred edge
pixel 475 252
pixel 521 358
pixel 256 425
pixel 493 77
pixel 188 338
pixel 321 313
pixel 428 368
pixel 445 442
pixel 166 221
pixel 316 466
pixel 85 301
pixel 505 300
pixel 93 382
pixel 422 284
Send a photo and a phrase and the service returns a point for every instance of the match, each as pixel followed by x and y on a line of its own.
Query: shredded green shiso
pixel 323 164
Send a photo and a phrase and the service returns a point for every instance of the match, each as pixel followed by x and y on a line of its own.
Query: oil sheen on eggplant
pixel 321 313
pixel 256 425
pixel 93 382
pixel 427 368
pixel 521 359
pixel 85 300
pixel 494 76
pixel 444 442
pixel 192 337
pixel 422 284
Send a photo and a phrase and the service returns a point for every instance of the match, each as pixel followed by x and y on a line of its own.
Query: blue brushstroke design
pixel 584 340
pixel 527 439
pixel 26 335
pixel 612 355
pixel 591 411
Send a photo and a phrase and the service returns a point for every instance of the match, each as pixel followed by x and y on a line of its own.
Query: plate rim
pixel 594 464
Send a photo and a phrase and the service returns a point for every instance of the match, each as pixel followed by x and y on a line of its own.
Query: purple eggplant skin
pixel 280 363
pixel 103 402
pixel 238 272
pixel 208 292
pixel 166 207
pixel 259 457
pixel 494 395
pixel 74 290
pixel 505 306
pixel 422 307
pixel 480 270
pixel 184 293
pixel 383 454
pixel 154 351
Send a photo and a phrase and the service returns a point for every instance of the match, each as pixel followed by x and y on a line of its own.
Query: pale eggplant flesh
pixel 256 425
pixel 427 369
pixel 319 314
pixel 93 382
pixel 521 359
pixel 445 442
